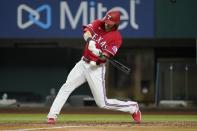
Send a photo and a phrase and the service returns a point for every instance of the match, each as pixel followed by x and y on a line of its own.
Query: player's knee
pixel 66 87
pixel 101 105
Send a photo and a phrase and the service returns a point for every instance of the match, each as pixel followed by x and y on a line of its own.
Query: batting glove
pixel 92 47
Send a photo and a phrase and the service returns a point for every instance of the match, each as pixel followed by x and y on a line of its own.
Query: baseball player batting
pixel 102 42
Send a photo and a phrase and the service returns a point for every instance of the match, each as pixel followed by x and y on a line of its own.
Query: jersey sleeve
pixel 91 27
pixel 112 47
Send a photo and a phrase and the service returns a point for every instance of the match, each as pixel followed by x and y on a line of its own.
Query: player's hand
pixel 102 56
pixel 92 47
pixel 96 52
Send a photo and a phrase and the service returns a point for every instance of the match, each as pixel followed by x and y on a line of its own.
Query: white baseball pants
pixel 95 76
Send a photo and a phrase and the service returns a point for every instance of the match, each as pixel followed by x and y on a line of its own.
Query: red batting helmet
pixel 112 17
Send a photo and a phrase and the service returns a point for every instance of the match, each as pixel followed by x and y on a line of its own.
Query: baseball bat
pixel 119 65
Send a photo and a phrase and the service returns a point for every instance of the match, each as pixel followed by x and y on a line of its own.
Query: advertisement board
pixel 64 19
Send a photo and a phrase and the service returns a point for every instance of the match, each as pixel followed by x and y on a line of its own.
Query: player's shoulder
pixel 116 35
pixel 116 38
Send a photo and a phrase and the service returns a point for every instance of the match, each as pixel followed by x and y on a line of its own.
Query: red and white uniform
pixel 108 42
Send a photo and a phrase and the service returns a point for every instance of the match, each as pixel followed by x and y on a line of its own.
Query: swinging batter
pixel 102 40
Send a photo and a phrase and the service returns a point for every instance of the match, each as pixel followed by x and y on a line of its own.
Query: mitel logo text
pixel 86 12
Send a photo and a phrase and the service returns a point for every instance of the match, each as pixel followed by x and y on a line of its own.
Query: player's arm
pixel 87 36
pixel 92 46
pixel 91 43
pixel 111 49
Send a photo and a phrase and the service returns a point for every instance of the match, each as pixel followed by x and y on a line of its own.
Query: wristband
pixel 101 55
pixel 89 39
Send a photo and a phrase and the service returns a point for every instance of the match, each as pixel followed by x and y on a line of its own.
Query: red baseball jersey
pixel 107 42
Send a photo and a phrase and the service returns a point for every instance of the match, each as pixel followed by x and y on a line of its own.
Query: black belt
pixel 88 60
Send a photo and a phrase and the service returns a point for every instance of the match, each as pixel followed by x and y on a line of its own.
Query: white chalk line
pixel 59 127
pixel 46 128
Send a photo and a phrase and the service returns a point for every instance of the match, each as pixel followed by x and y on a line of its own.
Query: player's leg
pixel 96 80
pixel 75 79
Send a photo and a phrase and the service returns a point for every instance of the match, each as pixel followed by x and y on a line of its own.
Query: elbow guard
pixel 87 36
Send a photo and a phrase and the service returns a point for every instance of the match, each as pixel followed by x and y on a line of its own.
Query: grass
pixel 19 121
pixel 92 117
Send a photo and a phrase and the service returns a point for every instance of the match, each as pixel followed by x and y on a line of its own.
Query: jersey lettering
pixel 99 39
pixel 107 42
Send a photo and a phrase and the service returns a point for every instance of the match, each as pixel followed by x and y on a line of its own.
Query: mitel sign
pixel 64 19
pixel 90 11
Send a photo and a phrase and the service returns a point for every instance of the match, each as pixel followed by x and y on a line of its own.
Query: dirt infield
pixel 97 126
